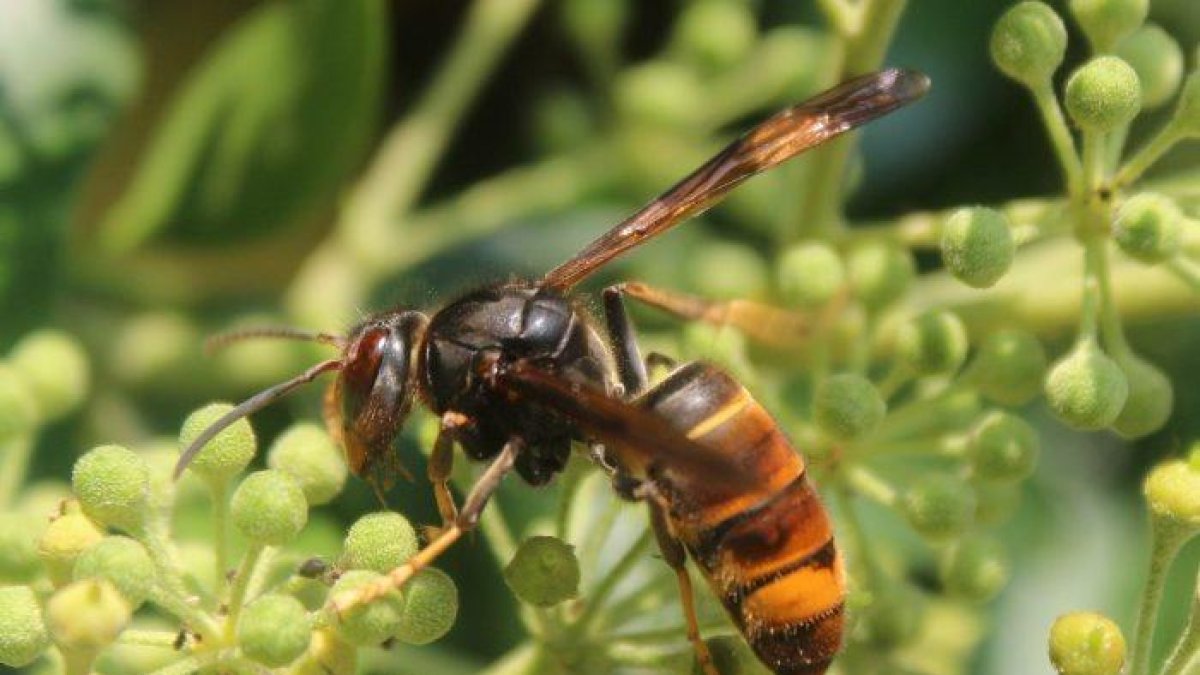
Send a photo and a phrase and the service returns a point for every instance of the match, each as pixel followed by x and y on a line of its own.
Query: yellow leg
pixel 703 656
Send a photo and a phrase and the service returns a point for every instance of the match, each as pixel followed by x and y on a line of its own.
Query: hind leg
pixel 675 556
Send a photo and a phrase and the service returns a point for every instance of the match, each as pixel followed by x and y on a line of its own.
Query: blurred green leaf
pixel 267 125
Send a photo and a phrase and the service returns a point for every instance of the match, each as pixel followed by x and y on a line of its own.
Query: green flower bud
pixel 124 563
pixel 847 406
pixel 430 607
pixel 1086 643
pixel 370 624
pixel 153 345
pixel 1028 43
pixel 1149 227
pixel 56 369
pixel 18 404
pixel 1158 62
pixel 307 453
pixel 659 93
pixel 1173 492
pixel 274 630
pixel 1086 388
pixel 269 508
pixel 975 568
pixel 939 507
pixel 64 539
pixel 1009 367
pixel 1003 447
pixel 225 456
pixel 1103 94
pixel 328 654
pixel 113 486
pixel 1150 399
pixel 544 571
pixel 86 615
pixel 895 616
pixel 730 654
pixel 379 542
pixel 977 246
pixel 722 270
pixel 714 34
pixel 810 274
pixel 934 343
pixel 880 273
pixel 996 503
pixel 19 534
pixel 1106 22
pixel 23 635
pixel 721 345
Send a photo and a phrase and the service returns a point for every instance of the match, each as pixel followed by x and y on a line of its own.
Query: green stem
pixel 1187 270
pixel 78 662
pixel 411 150
pixel 670 633
pixel 1148 154
pixel 191 616
pixel 192 664
pixel 148 638
pixel 237 593
pixel 857 539
pixel 1166 539
pixel 1098 269
pixel 1060 135
pixel 867 483
pixel 1188 647
pixel 219 492
pixel 608 583
pixel 14 461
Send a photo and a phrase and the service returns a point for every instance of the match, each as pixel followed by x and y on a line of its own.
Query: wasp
pixel 518 371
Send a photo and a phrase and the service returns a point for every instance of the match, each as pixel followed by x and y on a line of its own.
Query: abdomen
pixel 766 548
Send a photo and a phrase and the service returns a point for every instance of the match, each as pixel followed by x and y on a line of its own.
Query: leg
pixel 624 341
pixel 441 462
pixel 770 325
pixel 675 556
pixel 465 522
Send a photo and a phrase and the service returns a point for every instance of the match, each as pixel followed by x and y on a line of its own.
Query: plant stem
pixel 608 583
pixel 191 664
pixel 1148 154
pixel 14 461
pixel 1186 270
pixel 219 493
pixel 1060 135
pixel 867 483
pixel 856 537
pixel 1188 647
pixel 148 638
pixel 1166 539
pixel 237 593
pixel 412 148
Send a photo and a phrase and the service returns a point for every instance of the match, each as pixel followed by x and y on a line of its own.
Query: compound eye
pixel 360 371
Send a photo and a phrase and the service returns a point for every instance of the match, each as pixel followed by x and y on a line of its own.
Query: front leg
pixel 441 464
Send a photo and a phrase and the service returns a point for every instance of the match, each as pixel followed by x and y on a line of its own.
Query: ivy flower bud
pixel 18 547
pixel 56 369
pixel 18 404
pixel 1158 62
pixel 977 246
pixel 742 271
pixel 225 456
pixel 1186 119
pixel 1105 22
pixel 714 34
pixel 934 343
pixel 544 571
pixel 1010 366
pixel 327 654
pixel 369 624
pixel 975 568
pixel 64 539
pixel 894 617
pixel 274 630
pixel 379 542
pixel 1103 94
pixel 660 94
pixel 112 484
pixel 307 453
pixel 23 635
pixel 124 563
pixel 430 607
pixel 1004 448
pixel 939 507
pixel 1086 643
pixel 1149 227
pixel 847 406
pixel 1151 398
pixel 1086 388
pixel 1173 492
pixel 1028 43
pixel 269 508
pixel 810 275
pixel 86 615
pixel 880 273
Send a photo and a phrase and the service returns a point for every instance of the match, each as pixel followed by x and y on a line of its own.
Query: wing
pixel 639 437
pixel 779 138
